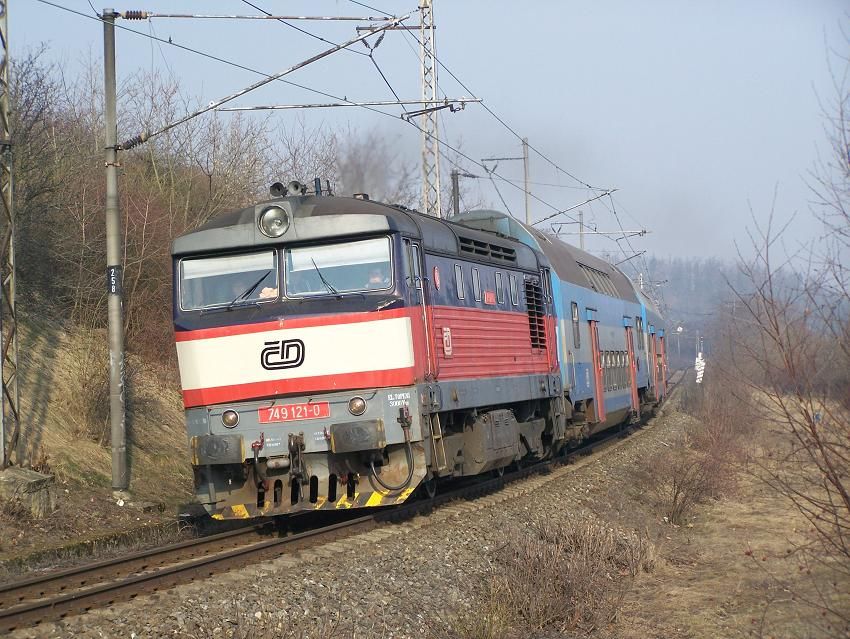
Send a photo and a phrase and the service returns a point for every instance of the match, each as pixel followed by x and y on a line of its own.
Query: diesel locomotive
pixel 339 352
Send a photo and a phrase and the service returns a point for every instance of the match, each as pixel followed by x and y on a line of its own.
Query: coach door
pixel 630 344
pixel 663 362
pixel 653 351
pixel 599 387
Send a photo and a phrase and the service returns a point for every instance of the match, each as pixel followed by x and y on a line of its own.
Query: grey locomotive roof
pixel 318 218
pixel 567 260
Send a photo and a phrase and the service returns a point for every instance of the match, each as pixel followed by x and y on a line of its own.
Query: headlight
pixel 273 221
pixel 229 418
pixel 356 405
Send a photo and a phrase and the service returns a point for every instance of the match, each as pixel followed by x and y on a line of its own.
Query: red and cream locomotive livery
pixel 338 352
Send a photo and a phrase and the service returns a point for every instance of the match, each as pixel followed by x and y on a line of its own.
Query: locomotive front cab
pixel 297 325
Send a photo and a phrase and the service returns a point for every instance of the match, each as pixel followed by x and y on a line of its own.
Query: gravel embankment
pixel 408 580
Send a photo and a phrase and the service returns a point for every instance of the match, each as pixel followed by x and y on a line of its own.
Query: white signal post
pixel 699 367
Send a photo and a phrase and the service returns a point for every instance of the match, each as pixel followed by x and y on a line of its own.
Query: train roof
pixel 325 217
pixel 647 301
pixel 571 264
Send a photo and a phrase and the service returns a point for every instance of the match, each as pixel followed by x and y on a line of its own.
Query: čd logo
pixel 287 353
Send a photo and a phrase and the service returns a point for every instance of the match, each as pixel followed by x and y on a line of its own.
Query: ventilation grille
pixel 486 249
pixel 599 281
pixel 536 314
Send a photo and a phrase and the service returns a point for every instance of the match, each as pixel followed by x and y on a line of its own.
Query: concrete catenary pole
pixel 10 417
pixel 581 230
pixel 455 192
pixel 114 270
pixel 525 177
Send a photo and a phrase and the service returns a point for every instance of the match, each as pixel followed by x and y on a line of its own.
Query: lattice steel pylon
pixel 10 423
pixel 430 140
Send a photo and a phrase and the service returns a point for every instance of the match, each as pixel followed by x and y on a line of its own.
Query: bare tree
pixel 371 163
pixel 789 351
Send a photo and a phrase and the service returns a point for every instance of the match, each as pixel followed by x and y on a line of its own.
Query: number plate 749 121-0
pixel 292 412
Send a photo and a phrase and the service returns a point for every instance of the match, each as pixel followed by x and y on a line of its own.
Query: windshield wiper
pixel 249 290
pixel 327 284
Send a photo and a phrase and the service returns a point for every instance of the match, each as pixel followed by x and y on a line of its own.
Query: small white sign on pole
pixel 699 367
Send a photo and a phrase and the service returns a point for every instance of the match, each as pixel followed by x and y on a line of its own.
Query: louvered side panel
pixel 485 344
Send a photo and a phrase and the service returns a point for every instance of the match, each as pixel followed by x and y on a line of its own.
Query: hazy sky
pixel 693 110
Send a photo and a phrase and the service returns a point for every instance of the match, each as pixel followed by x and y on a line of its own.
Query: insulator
pixel 135 15
pixel 136 141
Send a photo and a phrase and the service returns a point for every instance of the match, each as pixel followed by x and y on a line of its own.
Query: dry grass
pixel 15 512
pixel 559 577
pixel 66 410
pixel 735 574
pixel 682 477
pixel 698 463
pixel 63 425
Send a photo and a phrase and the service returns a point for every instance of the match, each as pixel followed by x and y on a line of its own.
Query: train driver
pixel 379 277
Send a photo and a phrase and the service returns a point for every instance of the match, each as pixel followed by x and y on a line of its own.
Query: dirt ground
pixel 735 570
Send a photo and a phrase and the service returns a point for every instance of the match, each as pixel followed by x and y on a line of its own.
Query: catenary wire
pixel 297 28
pixel 546 158
pixel 319 92
pixel 495 115
pixel 509 128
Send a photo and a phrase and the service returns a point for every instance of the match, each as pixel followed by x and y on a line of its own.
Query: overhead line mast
pixel 431 193
pixel 10 417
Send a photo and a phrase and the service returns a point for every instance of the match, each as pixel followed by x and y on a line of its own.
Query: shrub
pixel 559 577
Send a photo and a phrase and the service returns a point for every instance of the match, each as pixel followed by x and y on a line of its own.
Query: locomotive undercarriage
pixel 297 468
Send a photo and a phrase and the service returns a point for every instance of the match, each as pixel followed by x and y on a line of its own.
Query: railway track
pixel 53 596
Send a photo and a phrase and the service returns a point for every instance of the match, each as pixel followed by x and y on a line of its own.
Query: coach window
pixel 514 292
pixel 576 327
pixel 637 336
pixel 642 335
pixel 459 280
pixel 605 382
pixel 476 285
pixel 623 375
pixel 619 361
pixel 500 289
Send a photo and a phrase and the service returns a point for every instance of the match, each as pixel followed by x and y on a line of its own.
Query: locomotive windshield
pixel 210 282
pixel 331 269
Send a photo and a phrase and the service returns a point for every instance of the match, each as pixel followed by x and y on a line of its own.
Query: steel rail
pixel 57 595
pixel 87 575
pixel 33 613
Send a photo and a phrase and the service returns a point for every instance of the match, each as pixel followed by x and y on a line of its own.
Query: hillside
pixel 64 403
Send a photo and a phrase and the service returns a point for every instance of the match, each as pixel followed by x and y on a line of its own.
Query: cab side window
pixel 476 285
pixel 459 281
pixel 413 268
